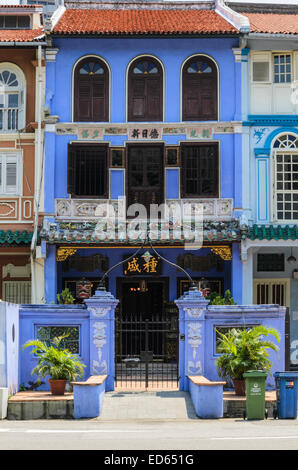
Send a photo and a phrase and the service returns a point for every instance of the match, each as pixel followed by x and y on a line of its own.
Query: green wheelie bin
pixel 255 387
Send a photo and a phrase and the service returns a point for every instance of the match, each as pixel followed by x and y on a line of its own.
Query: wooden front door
pixel 145 175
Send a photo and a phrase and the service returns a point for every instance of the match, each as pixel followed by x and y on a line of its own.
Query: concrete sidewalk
pixel 147 405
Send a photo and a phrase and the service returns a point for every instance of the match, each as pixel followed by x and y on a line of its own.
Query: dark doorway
pixel 145 175
pixel 146 336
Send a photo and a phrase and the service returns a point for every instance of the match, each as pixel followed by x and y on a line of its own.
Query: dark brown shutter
pixel 145 174
pixel 91 94
pixel 138 98
pixel 199 93
pixel 145 94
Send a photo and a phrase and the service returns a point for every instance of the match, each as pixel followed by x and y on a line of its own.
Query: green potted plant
pixel 57 362
pixel 244 349
pixel 65 297
pixel 216 299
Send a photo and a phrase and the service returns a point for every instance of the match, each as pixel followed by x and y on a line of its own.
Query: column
pixel 247 273
pixel 192 307
pixel 50 275
pixel 237 287
pixel 102 335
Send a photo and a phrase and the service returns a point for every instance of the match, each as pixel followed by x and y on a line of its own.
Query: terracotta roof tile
pixel 273 23
pixel 109 22
pixel 20 35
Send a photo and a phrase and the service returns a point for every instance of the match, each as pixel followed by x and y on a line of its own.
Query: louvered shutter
pixel 137 105
pixel 199 92
pixel 154 93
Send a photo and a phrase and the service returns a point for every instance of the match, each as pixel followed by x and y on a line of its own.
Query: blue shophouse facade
pixel 222 267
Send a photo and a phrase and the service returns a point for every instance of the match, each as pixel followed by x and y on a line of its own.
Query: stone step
pixel 124 405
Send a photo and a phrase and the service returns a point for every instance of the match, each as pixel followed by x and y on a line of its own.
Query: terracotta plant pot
pixel 239 386
pixel 57 386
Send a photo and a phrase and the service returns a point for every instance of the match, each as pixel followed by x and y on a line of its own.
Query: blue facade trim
pixel 276 132
pixel 263 152
pixel 271 120
pixel 172 183
pixel 116 183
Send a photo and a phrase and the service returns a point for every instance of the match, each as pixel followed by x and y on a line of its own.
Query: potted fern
pixel 244 349
pixel 57 362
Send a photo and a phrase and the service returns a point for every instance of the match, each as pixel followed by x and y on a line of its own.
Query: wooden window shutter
pixel 91 91
pixel 145 91
pixel 199 90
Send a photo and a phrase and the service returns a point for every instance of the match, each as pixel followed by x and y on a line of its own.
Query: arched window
pixel 285 178
pixel 91 91
pixel 199 90
pixel 12 95
pixel 145 90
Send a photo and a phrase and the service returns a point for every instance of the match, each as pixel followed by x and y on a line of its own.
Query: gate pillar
pixel 101 308
pixel 192 306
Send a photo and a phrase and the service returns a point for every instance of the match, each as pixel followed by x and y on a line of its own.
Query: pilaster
pixel 192 308
pixel 102 335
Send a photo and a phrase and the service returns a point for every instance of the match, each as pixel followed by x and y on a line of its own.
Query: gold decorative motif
pixel 224 252
pixel 63 253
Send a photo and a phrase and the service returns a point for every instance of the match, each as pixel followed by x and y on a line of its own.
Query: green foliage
pixel 216 299
pixel 65 297
pixel 53 361
pixel 245 349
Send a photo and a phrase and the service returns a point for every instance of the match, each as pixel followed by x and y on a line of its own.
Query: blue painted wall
pixel 9 346
pixel 32 316
pixel 119 52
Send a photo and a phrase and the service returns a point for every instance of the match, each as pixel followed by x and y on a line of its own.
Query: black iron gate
pixel 146 339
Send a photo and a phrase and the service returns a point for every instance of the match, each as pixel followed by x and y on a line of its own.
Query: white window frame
pixel 269 97
pixel 5 91
pixel 5 158
pixel 285 53
pixel 261 57
pixel 274 191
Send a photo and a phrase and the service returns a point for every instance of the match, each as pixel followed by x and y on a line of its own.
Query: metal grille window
pixel 285 173
pixel 271 262
pixel 71 342
pixel 87 170
pixel 225 331
pixel 17 292
pixel 199 165
pixel 282 68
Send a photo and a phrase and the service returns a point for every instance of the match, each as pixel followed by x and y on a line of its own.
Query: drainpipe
pixel 38 179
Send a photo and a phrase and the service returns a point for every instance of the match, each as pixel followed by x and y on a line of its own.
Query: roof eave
pixel 272 36
pixel 131 35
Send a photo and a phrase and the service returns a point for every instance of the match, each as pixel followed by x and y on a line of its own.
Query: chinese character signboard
pixel 142 265
pixel 90 133
pixel 144 134
pixel 199 133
